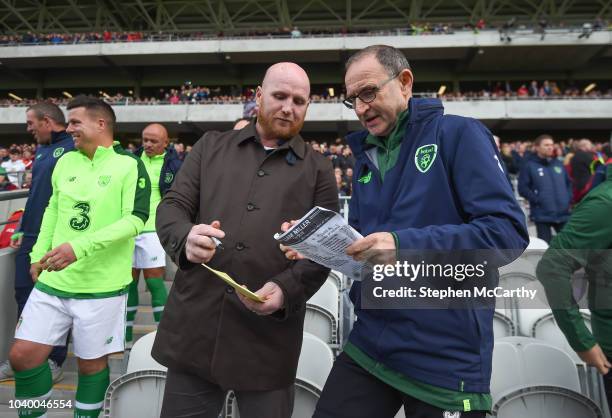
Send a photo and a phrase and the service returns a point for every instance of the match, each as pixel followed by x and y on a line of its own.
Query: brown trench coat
pixel 205 329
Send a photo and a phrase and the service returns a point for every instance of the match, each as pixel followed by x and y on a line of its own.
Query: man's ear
pixel 406 79
pixel 258 94
pixel 101 124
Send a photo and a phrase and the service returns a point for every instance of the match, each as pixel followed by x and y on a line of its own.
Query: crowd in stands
pixel 532 90
pixel 413 29
pixel 15 166
pixel 16 161
pixel 188 93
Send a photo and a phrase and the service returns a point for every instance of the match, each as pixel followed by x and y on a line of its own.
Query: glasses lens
pixel 367 96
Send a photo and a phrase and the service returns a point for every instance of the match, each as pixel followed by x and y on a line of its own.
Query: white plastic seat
pixel 541 324
pixel 140 355
pixel 545 401
pixel 516 275
pixel 536 243
pixel 533 379
pixel 136 394
pixel 315 363
pixel 533 256
pixel 327 297
pixel 336 277
pixel 521 362
pixel 503 324
pixel 322 313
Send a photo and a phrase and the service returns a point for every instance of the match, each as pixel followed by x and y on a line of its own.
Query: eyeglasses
pixel 367 95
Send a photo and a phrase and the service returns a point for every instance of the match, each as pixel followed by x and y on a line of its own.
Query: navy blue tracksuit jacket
pixel 458 199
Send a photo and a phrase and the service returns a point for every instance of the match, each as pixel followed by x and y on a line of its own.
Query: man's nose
pixel 361 107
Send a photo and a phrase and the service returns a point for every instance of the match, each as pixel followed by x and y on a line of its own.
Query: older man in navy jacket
pixel 47 124
pixel 544 182
pixel 423 181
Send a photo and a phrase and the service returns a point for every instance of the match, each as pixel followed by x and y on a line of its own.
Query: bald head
pixel 286 72
pixel 154 139
pixel 282 101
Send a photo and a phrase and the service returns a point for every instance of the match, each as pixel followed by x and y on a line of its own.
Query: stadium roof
pixel 232 16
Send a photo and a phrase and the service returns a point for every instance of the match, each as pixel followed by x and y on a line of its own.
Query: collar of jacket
pixel 543 161
pixel 58 136
pixel 419 111
pixel 297 144
pixel 169 152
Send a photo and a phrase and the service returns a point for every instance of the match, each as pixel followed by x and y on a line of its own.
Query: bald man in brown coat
pixel 239 186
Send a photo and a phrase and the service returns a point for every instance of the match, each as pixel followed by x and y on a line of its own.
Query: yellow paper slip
pixel 242 290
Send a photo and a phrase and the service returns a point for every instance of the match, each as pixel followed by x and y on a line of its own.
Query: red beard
pixel 273 127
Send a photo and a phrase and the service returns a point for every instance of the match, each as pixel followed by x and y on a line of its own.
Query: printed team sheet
pixel 322 236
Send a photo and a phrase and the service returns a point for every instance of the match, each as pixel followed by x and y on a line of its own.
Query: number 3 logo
pixel 81 221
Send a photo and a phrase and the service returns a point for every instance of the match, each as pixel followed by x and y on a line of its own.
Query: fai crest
pixel 103 180
pixel 58 152
pixel 449 414
pixel 558 170
pixel 424 158
pixel 169 177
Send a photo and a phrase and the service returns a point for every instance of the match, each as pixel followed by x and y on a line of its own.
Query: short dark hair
pixel 95 105
pixel 392 59
pixel 541 138
pixel 50 110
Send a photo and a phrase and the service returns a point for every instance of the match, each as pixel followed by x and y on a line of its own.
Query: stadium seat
pixel 140 355
pixel 520 274
pixel 541 324
pixel 503 325
pixel 322 313
pixel 314 365
pixel 536 243
pixel 316 360
pixel 136 394
pixel 523 361
pixel 533 256
pixel 337 278
pixel 532 378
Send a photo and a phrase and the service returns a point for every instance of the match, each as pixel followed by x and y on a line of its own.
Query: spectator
pixel 5 184
pixel 27 159
pixel 295 33
pixel 180 150
pixel 4 154
pixel 15 167
pixel 522 91
pixel 534 89
pixel 545 184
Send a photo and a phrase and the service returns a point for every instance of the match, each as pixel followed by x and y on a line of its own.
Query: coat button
pixel 240 246
pixel 261 173
pixel 173 245
pixel 250 207
pixel 229 290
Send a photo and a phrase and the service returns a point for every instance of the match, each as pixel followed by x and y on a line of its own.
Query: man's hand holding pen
pixel 202 242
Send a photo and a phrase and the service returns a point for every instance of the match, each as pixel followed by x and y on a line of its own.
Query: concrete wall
pixel 461 39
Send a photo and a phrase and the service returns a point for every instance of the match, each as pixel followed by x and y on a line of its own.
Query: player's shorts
pixel 148 252
pixel 98 325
